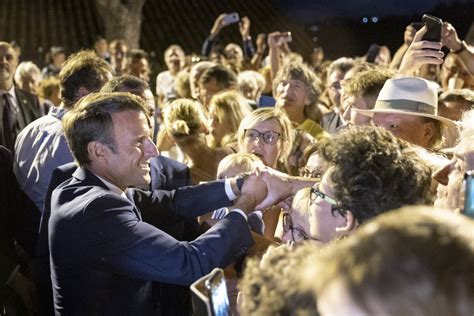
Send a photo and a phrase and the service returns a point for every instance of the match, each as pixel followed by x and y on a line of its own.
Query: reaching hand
pixel 449 37
pixel 255 188
pixel 419 53
pixel 409 34
pixel 261 42
pixel 218 25
pixel 278 185
pixel 244 27
pixel 274 39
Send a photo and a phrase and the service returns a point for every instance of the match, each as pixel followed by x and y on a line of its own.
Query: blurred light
pixel 375 19
pixel 365 20
pixel 315 39
pixel 314 28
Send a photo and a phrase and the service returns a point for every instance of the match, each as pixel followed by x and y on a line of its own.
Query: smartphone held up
pixel 433 25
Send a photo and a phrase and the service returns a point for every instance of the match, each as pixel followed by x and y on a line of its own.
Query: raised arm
pixel 420 52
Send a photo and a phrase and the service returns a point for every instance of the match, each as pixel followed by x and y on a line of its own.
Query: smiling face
pixel 129 166
pixel 267 152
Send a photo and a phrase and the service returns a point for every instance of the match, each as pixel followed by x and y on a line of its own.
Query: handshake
pixel 267 187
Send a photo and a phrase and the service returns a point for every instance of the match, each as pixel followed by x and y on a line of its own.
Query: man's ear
pixel 349 224
pixel 428 131
pixel 97 151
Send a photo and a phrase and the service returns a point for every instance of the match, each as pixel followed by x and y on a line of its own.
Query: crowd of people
pixel 323 187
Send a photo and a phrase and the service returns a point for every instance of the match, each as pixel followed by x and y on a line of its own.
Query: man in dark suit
pixel 103 256
pixel 18 227
pixel 18 108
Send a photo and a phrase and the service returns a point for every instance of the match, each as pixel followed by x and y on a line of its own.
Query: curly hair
pixel 373 172
pixel 272 286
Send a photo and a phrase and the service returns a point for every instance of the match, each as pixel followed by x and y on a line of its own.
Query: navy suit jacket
pixel 104 257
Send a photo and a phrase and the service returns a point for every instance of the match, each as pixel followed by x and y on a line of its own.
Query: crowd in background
pixel 379 132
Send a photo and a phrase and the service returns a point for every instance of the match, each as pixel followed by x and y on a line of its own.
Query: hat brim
pixel 445 121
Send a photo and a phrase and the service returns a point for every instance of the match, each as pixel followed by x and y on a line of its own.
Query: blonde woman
pixel 226 111
pixel 266 133
pixel 186 124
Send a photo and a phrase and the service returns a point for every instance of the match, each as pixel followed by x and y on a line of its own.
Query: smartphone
pixel 468 188
pixel 217 292
pixel 231 18
pixel 434 25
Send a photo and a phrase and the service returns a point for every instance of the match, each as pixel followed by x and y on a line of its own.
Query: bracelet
pixel 463 48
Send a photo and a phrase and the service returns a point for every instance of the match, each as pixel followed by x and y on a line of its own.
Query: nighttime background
pixel 341 27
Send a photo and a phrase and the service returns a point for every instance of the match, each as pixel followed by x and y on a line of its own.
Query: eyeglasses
pixel 269 137
pixel 295 231
pixel 315 193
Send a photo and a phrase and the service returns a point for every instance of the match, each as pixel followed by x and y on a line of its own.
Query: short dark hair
pixel 138 54
pixel 374 171
pixel 224 77
pixel 126 83
pixel 91 120
pixel 82 70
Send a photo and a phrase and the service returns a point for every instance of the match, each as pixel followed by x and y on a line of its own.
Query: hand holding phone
pixel 433 25
pixel 231 18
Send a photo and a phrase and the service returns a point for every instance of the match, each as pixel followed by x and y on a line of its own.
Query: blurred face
pixel 31 83
pixel 355 102
pixel 450 177
pixel 334 87
pixel 233 53
pixel 453 110
pixel 130 164
pixel 100 47
pixel 268 153
pixel 315 167
pixel 150 102
pixel 455 70
pixel 292 95
pixel 139 68
pixel 218 128
pixel 408 127
pixel 174 58
pixel 58 59
pixel 207 90
pixel 429 72
pixel 322 221
pixel 8 64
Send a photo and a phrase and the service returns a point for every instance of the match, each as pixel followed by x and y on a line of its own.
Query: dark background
pixel 336 25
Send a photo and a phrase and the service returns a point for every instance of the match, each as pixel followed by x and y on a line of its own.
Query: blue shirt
pixel 39 149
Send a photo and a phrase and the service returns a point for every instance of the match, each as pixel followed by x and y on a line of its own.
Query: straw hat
pixel 409 96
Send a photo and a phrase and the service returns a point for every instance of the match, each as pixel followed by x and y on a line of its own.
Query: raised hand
pixel 449 37
pixel 218 26
pixel 419 53
pixel 244 27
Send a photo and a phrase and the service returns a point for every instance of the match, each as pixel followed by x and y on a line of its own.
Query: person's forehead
pixel 268 125
pixel 7 49
pixel 336 75
pixel 396 117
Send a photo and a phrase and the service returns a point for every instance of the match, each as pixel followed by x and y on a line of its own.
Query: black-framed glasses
pixel 315 193
pixel 269 137
pixel 295 231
